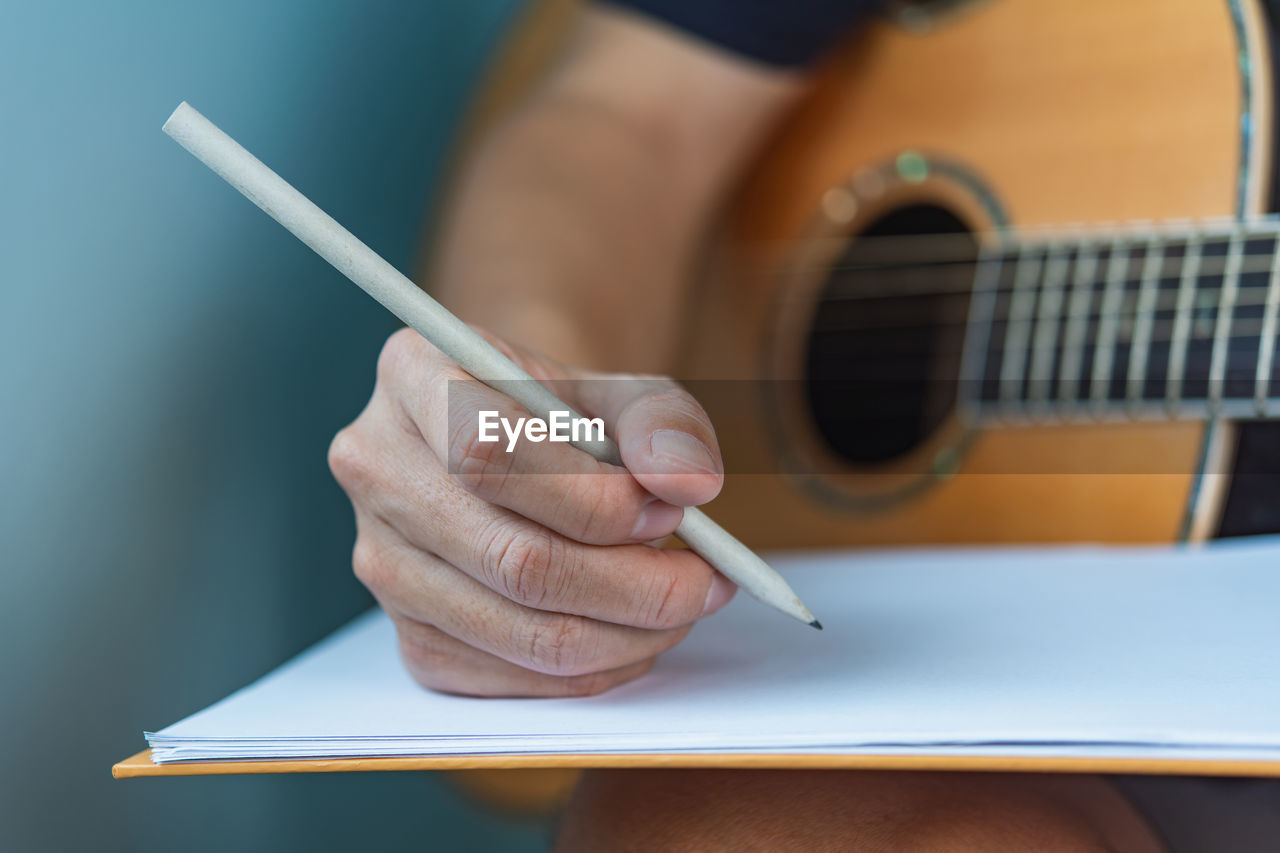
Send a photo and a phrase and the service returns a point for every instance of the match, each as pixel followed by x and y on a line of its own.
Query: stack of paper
pixel 1039 652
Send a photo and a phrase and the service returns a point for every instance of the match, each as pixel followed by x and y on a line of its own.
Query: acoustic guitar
pixel 1004 276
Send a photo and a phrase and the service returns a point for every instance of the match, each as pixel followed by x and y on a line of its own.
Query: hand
pixel 526 573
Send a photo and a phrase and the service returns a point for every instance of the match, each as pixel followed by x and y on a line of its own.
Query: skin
pixel 528 574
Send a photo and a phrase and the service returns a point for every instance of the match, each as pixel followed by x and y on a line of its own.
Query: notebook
pixel 1074 652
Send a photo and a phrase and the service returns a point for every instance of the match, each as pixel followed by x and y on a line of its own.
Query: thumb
pixel 666 439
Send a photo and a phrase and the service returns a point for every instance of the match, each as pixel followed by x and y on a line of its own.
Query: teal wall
pixel 168 527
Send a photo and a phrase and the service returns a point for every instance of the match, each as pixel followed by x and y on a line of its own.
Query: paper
pixel 1138 652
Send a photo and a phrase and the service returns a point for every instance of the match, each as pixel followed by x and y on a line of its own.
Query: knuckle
pixel 372 565
pixel 523 565
pixel 400 350
pixel 558 645
pixel 481 467
pixel 676 405
pixel 672 399
pixel 349 460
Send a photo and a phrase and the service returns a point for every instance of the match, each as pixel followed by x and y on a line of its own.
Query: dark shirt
pixel 783 33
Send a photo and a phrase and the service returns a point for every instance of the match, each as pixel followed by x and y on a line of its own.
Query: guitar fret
pixel 1119 326
pixel 1077 323
pixel 1226 310
pixel 1018 333
pixel 1046 334
pixel 977 341
pixel 1182 323
pixel 1112 297
pixel 1145 312
pixel 1266 345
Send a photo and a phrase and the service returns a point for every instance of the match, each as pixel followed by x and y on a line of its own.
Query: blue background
pixel 168 527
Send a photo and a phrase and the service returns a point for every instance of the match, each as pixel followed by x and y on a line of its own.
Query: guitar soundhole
pixel 883 348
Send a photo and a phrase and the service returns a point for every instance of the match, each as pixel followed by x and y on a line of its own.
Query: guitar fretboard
pixel 1174 322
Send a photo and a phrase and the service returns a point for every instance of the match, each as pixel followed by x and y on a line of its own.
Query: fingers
pixel 666 438
pixel 440 662
pixel 425 589
pixel 525 562
pixel 551 483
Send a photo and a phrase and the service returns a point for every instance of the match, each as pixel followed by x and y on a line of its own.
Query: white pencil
pixel 453 337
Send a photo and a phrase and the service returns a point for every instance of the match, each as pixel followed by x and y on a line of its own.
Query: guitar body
pixel 1004 113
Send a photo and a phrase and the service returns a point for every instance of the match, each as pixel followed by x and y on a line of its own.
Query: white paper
pixel 1139 652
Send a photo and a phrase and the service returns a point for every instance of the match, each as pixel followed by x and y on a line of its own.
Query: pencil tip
pixel 816 624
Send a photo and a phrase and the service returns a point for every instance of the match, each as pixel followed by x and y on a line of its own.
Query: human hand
pixel 526 573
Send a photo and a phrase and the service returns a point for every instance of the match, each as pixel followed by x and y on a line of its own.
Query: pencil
pixel 451 335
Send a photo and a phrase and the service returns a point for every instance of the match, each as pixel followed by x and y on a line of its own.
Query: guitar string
pixel 1250 331
pixel 912 248
pixel 915 261
pixel 928 249
pixel 890 385
pixel 961 281
pixel 1247 329
pixel 883 317
pixel 1166 299
pixel 1129 287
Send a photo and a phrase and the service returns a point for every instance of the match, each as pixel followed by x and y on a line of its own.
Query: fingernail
pixel 722 589
pixel 657 519
pixel 683 449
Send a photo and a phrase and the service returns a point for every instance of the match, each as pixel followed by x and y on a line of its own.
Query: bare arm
pixel 578 218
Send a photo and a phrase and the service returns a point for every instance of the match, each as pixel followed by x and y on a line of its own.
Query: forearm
pixel 561 240
pixel 576 223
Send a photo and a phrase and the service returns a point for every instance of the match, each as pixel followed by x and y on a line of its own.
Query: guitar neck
pixel 1177 321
